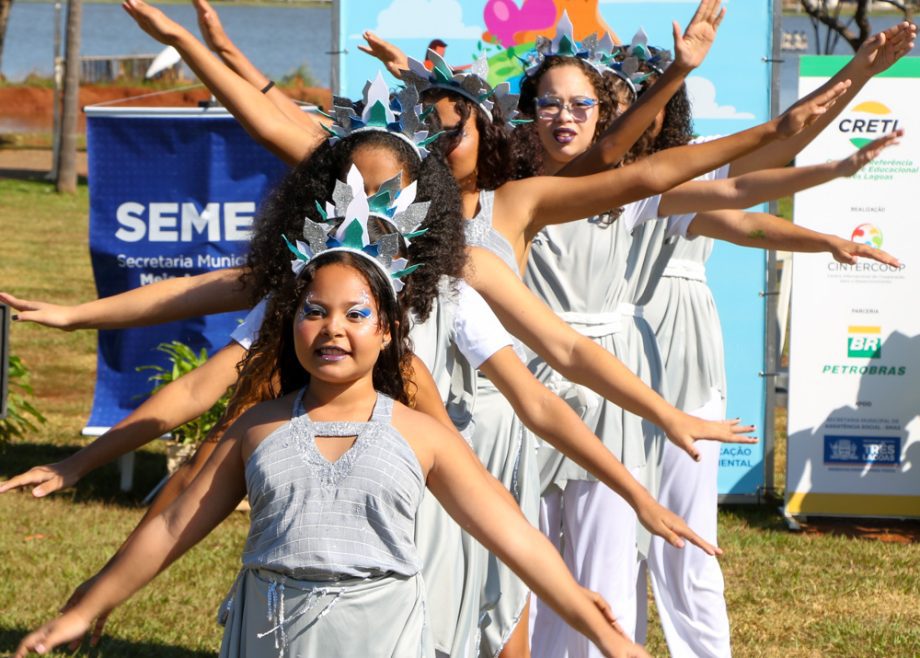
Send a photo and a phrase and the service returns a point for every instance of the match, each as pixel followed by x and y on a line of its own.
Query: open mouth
pixel 331 353
pixel 564 135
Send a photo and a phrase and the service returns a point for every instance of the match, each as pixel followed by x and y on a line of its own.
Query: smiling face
pixel 571 131
pixel 338 334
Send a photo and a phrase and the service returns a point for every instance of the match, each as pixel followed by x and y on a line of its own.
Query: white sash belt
pixel 679 268
pixel 597 325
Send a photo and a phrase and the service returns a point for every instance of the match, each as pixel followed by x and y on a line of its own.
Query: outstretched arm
pixel 258 115
pixel 212 31
pixel 875 56
pixel 545 414
pixel 168 300
pixel 210 498
pixel 524 207
pixel 459 482
pixel 690 50
pixel 579 359
pixel 768 184
pixel 765 231
pixel 390 55
pixel 176 403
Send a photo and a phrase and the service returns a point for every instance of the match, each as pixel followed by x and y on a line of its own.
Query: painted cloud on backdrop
pixel 702 94
pixel 424 19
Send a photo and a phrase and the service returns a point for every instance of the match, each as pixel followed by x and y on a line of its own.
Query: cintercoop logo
pixel 864 342
pixel 869 235
pixel 868 121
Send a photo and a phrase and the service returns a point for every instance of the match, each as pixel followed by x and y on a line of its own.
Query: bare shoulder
pixel 257 423
pixel 420 431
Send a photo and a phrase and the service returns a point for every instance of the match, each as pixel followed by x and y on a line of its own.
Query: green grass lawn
pixel 788 594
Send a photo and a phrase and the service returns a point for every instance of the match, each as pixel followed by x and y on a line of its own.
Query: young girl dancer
pixel 336 573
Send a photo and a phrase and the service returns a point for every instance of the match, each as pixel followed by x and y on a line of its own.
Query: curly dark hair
pixel 271 368
pixel 526 148
pixel 494 153
pixel 677 129
pixel 440 252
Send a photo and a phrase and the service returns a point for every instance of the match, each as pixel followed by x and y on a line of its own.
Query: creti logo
pixel 869 235
pixel 864 342
pixel 868 121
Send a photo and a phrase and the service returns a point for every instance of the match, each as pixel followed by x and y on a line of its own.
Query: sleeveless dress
pixel 330 566
pixel 509 451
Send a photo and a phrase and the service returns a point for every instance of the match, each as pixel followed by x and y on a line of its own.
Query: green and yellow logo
pixel 864 342
pixel 870 121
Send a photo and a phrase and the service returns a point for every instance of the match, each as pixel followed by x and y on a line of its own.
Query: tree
pixel 67 154
pixel 5 7
pixel 839 26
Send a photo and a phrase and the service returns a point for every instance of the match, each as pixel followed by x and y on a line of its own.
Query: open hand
pixel 154 22
pixel 69 627
pixel 880 51
pixel 49 315
pixel 803 114
pixel 46 479
pixel 661 521
pixel 685 430
pixel 210 26
pixel 393 58
pixel 851 165
pixel 98 626
pixel 848 252
pixel 691 48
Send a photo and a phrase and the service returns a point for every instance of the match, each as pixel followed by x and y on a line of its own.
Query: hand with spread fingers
pixel 391 56
pixel 685 430
pixel 691 47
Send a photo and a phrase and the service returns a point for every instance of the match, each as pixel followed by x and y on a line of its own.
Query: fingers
pixel 687 446
pixel 687 532
pixel 365 49
pixel 864 251
pixel 720 18
pixel 30 477
pixel 98 627
pixel 675 29
pixel 31 642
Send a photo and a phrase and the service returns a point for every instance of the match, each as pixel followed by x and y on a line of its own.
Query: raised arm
pixel 873 57
pixel 212 31
pixel 765 185
pixel 579 359
pixel 258 115
pixel 550 418
pixel 524 207
pixel 211 497
pixel 690 50
pixel 765 231
pixel 177 403
pixel 167 300
pixel 390 55
pixel 459 482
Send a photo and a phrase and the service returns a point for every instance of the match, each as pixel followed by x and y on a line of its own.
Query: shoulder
pixel 258 422
pixel 422 432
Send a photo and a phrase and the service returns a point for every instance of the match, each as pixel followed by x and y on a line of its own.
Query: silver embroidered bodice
pixel 481 233
pixel 320 520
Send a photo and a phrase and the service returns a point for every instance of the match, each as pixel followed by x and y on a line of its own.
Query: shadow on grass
pixel 33 175
pixel 108 648
pixel 102 485
pixel 765 516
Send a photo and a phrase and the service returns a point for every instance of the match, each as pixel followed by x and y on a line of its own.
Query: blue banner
pixel 172 193
pixel 730 92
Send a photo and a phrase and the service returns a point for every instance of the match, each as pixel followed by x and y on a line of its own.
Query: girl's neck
pixel 341 401
pixel 469 202
pixel 551 167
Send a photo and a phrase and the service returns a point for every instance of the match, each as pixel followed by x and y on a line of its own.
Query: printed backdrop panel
pixel 854 389
pixel 170 195
pixel 730 92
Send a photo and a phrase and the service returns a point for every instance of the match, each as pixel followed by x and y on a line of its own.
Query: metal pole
pixel 771 349
pixel 336 61
pixel 58 73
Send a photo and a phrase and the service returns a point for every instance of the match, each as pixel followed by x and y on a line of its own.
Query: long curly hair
pixel 494 153
pixel 677 129
pixel 440 252
pixel 271 368
pixel 526 148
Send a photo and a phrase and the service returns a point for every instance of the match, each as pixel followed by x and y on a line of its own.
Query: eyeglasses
pixel 550 107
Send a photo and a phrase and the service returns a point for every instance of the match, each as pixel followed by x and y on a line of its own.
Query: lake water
pixel 278 39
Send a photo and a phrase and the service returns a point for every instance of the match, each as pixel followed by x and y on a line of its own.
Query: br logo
pixel 864 343
pixel 869 120
pixel 869 235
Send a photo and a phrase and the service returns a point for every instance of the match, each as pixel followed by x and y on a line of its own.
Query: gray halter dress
pixel 330 566
pixel 589 272
pixel 509 451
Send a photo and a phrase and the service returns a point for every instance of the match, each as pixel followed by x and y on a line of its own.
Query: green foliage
pixel 183 360
pixel 21 415
pixel 301 75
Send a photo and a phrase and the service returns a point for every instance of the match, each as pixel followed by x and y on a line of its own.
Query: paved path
pixel 32 164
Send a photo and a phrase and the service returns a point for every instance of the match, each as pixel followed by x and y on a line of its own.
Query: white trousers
pixel 687 584
pixel 598 543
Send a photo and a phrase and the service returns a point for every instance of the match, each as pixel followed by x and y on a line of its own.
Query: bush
pixel 21 415
pixel 184 360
